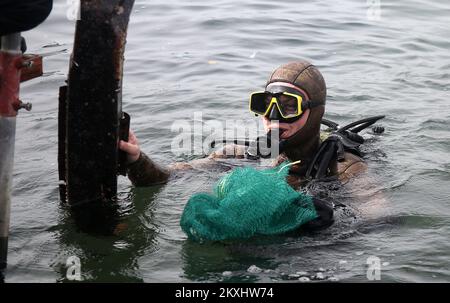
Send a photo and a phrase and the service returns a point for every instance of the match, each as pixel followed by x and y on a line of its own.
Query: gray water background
pixel 186 56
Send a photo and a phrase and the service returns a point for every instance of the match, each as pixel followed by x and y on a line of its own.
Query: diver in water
pixel 293 104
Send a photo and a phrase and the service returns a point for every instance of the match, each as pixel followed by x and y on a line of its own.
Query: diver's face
pixel 287 129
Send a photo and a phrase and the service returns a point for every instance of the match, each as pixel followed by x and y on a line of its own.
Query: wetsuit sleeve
pixel 325 218
pixel 144 172
pixel 229 151
pixel 350 167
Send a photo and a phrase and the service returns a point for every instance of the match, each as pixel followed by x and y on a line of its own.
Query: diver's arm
pixel 353 172
pixel 350 167
pixel 229 151
pixel 144 172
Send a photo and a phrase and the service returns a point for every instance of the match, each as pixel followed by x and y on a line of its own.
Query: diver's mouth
pixel 280 131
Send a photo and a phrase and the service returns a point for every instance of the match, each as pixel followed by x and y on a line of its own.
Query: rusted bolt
pixel 27 64
pixel 27 106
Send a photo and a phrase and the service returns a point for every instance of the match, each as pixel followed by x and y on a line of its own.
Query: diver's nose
pixel 274 113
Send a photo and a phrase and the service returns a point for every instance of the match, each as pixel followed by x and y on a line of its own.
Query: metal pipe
pixel 10 56
pixel 10 42
pixel 7 138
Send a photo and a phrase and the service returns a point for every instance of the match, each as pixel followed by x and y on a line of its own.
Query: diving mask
pixel 291 103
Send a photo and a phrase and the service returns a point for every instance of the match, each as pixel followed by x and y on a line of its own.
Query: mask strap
pixel 311 103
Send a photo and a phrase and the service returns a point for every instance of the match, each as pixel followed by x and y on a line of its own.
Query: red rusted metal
pixel 10 66
pixel 31 67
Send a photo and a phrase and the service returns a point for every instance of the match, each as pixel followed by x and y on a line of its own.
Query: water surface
pixel 187 56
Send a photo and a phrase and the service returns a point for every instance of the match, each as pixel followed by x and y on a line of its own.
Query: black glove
pixel 325 212
pixel 378 129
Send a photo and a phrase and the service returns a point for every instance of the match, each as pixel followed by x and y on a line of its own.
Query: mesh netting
pixel 247 202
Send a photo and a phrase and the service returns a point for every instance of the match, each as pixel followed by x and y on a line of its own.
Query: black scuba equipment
pixel 340 140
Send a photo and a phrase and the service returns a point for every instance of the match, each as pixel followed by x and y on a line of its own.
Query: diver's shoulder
pixel 351 166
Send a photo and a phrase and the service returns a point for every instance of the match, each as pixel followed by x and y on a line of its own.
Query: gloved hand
pixel 325 213
pixel 378 129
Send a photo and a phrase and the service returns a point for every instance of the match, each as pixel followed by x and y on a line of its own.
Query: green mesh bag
pixel 247 202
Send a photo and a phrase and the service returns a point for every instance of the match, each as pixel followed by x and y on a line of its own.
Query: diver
pixel 293 104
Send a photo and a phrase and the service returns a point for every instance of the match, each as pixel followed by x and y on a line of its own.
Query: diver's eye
pixel 289 103
pixel 288 100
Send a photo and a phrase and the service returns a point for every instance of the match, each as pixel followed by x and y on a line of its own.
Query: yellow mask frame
pixel 276 101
